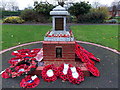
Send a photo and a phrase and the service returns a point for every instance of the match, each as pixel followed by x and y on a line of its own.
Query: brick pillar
pixel 49 50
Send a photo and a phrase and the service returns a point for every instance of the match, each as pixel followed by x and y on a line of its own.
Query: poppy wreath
pixel 75 75
pixel 90 55
pixel 49 73
pixel 21 52
pixel 33 52
pixel 82 55
pixel 63 71
pixel 26 53
pixel 30 81
pixel 6 73
pixel 21 68
pixel 85 55
pixel 15 60
pixel 92 69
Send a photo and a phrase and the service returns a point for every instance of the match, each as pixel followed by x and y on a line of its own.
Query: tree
pixel 79 9
pixel 35 3
pixel 102 9
pixel 29 7
pixel 12 5
pixel 115 2
pixel 92 17
pixel 3 3
pixel 61 2
pixel 28 15
pixel 9 5
pixel 96 4
pixel 43 8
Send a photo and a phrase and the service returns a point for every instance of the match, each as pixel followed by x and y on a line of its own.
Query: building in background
pixel 114 11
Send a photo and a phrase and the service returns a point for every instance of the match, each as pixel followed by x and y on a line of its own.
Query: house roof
pixel 118 7
pixel 111 8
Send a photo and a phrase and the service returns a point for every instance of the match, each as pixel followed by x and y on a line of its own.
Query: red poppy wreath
pixel 49 73
pixel 30 81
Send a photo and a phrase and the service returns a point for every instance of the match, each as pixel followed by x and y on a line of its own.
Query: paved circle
pixel 108 70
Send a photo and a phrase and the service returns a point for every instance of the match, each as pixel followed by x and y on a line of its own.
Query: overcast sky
pixel 25 3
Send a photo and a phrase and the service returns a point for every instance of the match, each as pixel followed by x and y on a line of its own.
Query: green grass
pixel 1 21
pixel 13 35
pixel 106 35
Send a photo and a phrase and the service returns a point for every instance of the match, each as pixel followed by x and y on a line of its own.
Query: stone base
pixel 68 56
pixel 58 63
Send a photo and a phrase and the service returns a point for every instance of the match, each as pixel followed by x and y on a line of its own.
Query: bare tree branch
pixel 9 5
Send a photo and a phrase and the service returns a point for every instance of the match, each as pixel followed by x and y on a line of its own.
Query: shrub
pixel 71 19
pixel 13 19
pixel 92 18
pixel 102 9
pixel 80 8
pixel 31 15
pixel 40 18
pixel 28 15
pixel 43 9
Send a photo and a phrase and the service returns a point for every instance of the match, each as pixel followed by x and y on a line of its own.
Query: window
pixel 58 52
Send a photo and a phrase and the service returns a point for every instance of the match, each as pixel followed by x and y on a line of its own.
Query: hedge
pixel 9 13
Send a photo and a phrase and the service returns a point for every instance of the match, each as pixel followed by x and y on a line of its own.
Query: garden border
pixel 113 50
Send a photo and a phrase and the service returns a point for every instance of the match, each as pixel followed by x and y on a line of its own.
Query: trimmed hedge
pixel 9 13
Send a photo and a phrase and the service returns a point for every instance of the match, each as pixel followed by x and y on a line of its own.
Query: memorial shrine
pixel 60 41
pixel 61 56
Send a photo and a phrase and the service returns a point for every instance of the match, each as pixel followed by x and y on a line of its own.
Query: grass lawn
pixel 13 35
pixel 106 35
pixel 1 21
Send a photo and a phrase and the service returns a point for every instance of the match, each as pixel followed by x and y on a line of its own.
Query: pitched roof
pixel 118 7
pixel 111 8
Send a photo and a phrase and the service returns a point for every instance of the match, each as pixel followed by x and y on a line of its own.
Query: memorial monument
pixel 61 56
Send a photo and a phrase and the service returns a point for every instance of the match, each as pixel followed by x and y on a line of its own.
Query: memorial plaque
pixel 59 24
